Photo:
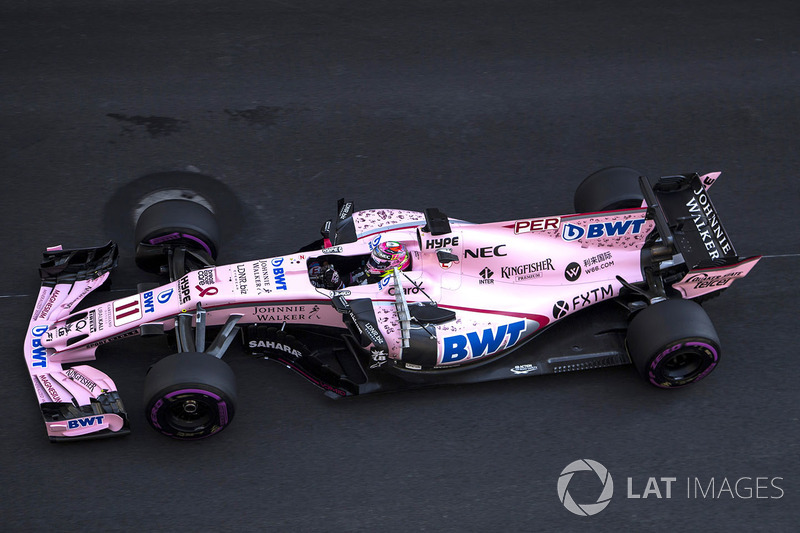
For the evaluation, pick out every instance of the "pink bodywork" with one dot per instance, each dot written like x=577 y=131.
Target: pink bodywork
x=512 y=279
x=704 y=281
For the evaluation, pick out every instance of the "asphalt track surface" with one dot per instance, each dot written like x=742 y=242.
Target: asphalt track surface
x=489 y=110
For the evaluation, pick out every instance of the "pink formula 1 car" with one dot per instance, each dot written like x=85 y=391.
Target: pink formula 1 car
x=617 y=283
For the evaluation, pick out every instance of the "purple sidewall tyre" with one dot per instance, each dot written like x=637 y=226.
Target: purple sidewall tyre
x=673 y=343
x=190 y=395
x=178 y=222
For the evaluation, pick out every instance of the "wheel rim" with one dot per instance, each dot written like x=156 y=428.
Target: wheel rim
x=683 y=363
x=190 y=413
x=682 y=366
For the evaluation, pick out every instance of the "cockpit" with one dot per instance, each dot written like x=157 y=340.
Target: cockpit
x=334 y=272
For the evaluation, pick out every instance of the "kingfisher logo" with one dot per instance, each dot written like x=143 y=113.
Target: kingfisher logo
x=85 y=422
x=585 y=509
x=280 y=275
x=617 y=228
x=38 y=352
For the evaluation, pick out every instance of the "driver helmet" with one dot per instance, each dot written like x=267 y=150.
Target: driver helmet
x=387 y=256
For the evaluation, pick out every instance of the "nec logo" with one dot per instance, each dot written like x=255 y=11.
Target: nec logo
x=572 y=232
x=85 y=422
x=487 y=251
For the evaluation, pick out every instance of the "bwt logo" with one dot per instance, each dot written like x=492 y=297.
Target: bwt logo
x=474 y=344
x=164 y=296
x=147 y=298
x=38 y=352
x=571 y=232
x=279 y=273
x=85 y=422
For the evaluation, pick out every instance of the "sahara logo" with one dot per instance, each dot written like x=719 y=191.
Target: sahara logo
x=585 y=509
x=618 y=228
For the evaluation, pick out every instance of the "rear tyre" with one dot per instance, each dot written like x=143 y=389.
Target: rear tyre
x=180 y=222
x=673 y=343
x=609 y=189
x=190 y=395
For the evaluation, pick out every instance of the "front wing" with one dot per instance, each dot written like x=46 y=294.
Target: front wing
x=78 y=402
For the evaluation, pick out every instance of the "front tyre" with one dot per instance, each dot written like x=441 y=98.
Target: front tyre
x=174 y=222
x=190 y=395
x=673 y=343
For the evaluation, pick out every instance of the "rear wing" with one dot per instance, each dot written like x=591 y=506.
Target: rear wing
x=690 y=228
